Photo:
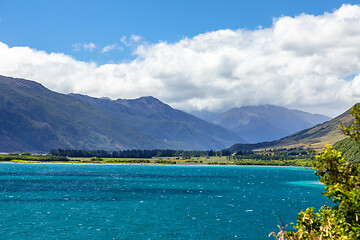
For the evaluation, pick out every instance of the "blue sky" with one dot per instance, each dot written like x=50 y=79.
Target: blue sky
x=193 y=55
x=57 y=26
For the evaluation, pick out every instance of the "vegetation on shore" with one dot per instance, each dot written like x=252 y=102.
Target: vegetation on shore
x=279 y=157
x=27 y=157
x=342 y=180
x=216 y=160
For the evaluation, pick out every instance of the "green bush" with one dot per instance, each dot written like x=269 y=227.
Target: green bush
x=342 y=182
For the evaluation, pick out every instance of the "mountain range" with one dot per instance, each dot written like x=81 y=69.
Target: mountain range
x=264 y=122
x=36 y=119
x=178 y=129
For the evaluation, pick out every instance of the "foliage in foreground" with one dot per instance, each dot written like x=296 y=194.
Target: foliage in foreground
x=342 y=182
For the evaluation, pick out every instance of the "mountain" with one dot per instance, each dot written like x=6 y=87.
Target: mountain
x=35 y=119
x=315 y=137
x=205 y=115
x=178 y=129
x=267 y=122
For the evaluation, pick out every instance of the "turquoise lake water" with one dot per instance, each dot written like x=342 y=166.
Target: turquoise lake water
x=77 y=201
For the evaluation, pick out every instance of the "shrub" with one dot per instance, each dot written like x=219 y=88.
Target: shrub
x=342 y=182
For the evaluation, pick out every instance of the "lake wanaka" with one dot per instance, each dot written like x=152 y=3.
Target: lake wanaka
x=80 y=201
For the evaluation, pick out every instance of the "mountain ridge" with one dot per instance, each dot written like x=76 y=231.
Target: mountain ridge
x=164 y=122
x=267 y=122
x=34 y=118
x=315 y=137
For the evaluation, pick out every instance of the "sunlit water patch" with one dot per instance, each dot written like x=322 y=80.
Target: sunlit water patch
x=58 y=201
x=308 y=183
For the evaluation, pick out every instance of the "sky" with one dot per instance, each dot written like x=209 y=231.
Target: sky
x=193 y=55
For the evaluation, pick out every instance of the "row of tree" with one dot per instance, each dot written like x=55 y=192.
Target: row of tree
x=28 y=157
x=137 y=153
x=276 y=154
x=270 y=154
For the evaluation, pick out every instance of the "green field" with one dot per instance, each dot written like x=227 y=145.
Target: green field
x=203 y=160
x=157 y=160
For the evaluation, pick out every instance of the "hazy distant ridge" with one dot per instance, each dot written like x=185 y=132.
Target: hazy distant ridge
x=264 y=122
x=315 y=137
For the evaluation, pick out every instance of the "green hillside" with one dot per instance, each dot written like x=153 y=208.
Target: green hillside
x=315 y=137
x=349 y=148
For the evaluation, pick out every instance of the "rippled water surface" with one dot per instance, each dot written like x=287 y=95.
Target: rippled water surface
x=74 y=201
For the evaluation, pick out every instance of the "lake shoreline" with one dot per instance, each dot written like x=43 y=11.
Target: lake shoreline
x=151 y=164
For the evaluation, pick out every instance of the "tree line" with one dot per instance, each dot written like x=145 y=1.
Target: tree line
x=269 y=154
x=135 y=153
x=29 y=157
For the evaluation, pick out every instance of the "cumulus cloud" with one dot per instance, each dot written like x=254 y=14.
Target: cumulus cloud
x=301 y=62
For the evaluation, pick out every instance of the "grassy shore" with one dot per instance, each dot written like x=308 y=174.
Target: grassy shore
x=215 y=160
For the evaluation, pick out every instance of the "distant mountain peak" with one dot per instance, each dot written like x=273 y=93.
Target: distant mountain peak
x=106 y=98
x=267 y=122
x=315 y=137
x=21 y=83
x=149 y=100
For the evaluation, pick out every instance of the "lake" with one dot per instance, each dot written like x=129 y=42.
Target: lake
x=79 y=201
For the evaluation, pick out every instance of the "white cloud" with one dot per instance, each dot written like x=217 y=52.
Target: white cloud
x=89 y=46
x=76 y=47
x=109 y=48
x=123 y=40
x=301 y=62
x=134 y=40
x=86 y=46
